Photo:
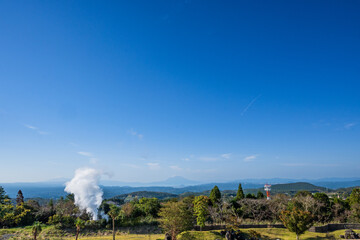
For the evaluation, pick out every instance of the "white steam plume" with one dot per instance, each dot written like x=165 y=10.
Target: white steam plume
x=86 y=190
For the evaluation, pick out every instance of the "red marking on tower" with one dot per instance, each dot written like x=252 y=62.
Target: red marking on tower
x=267 y=189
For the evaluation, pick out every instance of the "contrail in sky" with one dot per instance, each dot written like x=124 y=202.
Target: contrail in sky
x=249 y=105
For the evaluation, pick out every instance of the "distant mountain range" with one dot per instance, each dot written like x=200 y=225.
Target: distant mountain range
x=176 y=181
x=178 y=185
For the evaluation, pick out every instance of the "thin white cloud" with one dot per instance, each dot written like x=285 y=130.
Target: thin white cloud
x=36 y=129
x=175 y=167
x=226 y=155
x=92 y=159
x=153 y=166
x=249 y=105
x=190 y=157
x=250 y=158
x=215 y=158
x=30 y=127
x=350 y=125
x=136 y=134
x=86 y=154
x=132 y=132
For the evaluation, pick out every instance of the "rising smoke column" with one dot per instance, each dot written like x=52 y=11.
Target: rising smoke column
x=86 y=190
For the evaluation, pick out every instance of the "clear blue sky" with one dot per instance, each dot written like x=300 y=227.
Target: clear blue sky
x=208 y=90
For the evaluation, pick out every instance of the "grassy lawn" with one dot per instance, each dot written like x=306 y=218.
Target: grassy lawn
x=125 y=237
x=266 y=233
x=50 y=233
x=118 y=237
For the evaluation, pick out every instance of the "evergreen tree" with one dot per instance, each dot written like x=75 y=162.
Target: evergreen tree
x=19 y=198
x=355 y=196
x=215 y=195
x=201 y=210
x=240 y=193
x=3 y=196
x=51 y=207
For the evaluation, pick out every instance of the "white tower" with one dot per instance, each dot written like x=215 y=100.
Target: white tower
x=267 y=189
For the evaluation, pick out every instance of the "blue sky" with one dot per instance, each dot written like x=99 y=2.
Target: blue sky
x=208 y=90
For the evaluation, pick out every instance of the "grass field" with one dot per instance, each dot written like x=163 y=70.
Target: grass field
x=118 y=237
x=127 y=237
x=266 y=233
x=50 y=233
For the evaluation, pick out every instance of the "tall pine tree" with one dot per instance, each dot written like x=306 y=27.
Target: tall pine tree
x=215 y=195
x=3 y=195
x=240 y=193
x=19 y=198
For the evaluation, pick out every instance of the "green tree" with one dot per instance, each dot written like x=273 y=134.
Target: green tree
x=19 y=198
x=23 y=215
x=297 y=221
x=66 y=207
x=3 y=196
x=323 y=211
x=7 y=214
x=201 y=204
x=36 y=229
x=104 y=207
x=51 y=206
x=322 y=197
x=354 y=201
x=240 y=193
x=79 y=223
x=260 y=195
x=250 y=196
x=11 y=216
x=305 y=201
x=338 y=209
x=303 y=193
x=354 y=215
x=176 y=217
x=354 y=196
x=215 y=195
x=115 y=213
x=149 y=206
